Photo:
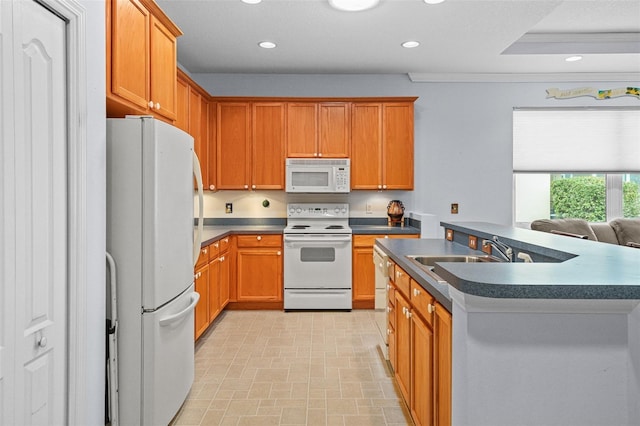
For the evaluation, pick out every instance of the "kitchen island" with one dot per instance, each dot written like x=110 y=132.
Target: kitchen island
x=554 y=342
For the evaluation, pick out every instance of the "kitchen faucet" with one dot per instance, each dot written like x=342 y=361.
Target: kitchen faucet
x=502 y=248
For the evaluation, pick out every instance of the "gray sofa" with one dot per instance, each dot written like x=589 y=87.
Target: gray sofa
x=624 y=232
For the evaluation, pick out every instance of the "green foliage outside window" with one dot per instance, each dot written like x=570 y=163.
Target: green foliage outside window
x=585 y=197
x=631 y=197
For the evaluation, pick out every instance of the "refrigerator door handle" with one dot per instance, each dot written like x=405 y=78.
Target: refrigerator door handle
x=166 y=321
x=197 y=172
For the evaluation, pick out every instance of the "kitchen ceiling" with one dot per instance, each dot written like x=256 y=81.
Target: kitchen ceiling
x=460 y=40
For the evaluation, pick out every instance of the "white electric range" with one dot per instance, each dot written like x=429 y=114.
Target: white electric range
x=317 y=257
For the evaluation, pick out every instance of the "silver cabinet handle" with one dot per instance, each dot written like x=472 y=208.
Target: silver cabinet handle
x=151 y=104
x=42 y=342
x=258 y=238
x=157 y=105
x=430 y=308
x=279 y=252
x=221 y=258
x=212 y=187
x=416 y=292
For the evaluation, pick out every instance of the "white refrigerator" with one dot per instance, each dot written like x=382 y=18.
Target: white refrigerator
x=150 y=237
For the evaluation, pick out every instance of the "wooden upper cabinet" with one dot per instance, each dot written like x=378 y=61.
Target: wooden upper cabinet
x=366 y=146
x=335 y=132
x=382 y=145
x=182 y=104
x=164 y=53
x=141 y=60
x=268 y=140
x=129 y=56
x=233 y=136
x=397 y=145
x=318 y=129
x=302 y=129
x=212 y=153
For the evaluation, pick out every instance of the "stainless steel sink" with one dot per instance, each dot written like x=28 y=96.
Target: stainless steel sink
x=426 y=263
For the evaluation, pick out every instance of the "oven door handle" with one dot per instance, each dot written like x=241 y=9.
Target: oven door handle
x=317 y=239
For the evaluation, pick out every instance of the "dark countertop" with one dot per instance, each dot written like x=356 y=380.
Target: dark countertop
x=580 y=269
x=383 y=229
x=212 y=233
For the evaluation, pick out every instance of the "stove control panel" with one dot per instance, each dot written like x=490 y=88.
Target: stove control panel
x=307 y=210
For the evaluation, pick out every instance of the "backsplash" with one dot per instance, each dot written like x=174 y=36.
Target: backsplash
x=251 y=204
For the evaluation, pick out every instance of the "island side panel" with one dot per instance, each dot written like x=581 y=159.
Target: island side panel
x=549 y=368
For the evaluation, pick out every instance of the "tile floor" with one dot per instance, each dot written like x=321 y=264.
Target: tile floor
x=292 y=368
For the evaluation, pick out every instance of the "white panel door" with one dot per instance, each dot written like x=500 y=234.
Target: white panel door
x=35 y=209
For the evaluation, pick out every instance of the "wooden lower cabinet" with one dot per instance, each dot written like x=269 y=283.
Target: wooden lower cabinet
x=403 y=346
x=443 y=367
x=363 y=269
x=420 y=350
x=422 y=354
x=212 y=283
x=259 y=268
x=201 y=320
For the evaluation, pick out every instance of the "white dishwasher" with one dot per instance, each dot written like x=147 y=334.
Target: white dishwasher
x=381 y=262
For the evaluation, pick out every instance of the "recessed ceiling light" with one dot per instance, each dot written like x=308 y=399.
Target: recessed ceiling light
x=267 y=44
x=353 y=5
x=573 y=58
x=251 y=1
x=410 y=44
x=433 y=1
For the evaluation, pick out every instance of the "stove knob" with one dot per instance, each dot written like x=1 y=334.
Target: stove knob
x=298 y=210
x=292 y=210
x=344 y=210
x=337 y=210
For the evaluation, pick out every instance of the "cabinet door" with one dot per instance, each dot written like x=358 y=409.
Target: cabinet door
x=233 y=133
x=163 y=70
x=366 y=146
x=422 y=389
x=334 y=130
x=182 y=105
x=224 y=280
x=363 y=279
x=259 y=275
x=442 y=368
x=397 y=136
x=212 y=154
x=268 y=123
x=403 y=345
x=214 y=289
x=130 y=22
x=201 y=321
x=203 y=144
x=302 y=130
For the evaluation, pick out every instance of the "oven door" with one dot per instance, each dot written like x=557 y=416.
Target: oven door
x=315 y=261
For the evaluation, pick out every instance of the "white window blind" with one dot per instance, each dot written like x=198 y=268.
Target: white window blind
x=576 y=140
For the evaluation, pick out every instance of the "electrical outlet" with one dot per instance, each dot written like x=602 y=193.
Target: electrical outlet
x=473 y=242
x=454 y=208
x=369 y=208
x=228 y=208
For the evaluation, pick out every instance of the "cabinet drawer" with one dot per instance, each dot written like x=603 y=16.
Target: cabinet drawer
x=224 y=244
x=369 y=240
x=401 y=280
x=214 y=249
x=203 y=259
x=422 y=301
x=259 y=240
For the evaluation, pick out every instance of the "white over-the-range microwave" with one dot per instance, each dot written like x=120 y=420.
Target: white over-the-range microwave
x=318 y=175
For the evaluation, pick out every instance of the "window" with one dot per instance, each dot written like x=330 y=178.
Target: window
x=580 y=163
